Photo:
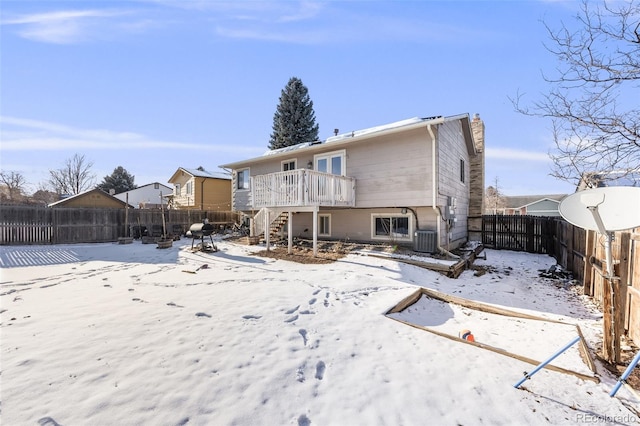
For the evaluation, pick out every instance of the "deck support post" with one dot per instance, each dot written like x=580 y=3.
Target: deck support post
x=315 y=231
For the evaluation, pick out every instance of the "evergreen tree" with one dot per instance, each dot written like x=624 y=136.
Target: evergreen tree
x=120 y=181
x=294 y=121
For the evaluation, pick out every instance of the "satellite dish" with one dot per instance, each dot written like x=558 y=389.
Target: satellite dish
x=605 y=210
x=617 y=206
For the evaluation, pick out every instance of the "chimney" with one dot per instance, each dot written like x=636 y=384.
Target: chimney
x=476 y=181
x=335 y=132
x=477 y=128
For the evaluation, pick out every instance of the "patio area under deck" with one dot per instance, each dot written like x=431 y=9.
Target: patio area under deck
x=312 y=209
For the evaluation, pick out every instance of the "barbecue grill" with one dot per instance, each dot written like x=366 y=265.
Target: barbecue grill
x=199 y=231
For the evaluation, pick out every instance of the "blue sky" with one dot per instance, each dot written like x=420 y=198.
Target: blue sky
x=155 y=85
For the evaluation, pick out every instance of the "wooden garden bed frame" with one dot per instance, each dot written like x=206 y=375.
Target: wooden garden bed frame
x=414 y=297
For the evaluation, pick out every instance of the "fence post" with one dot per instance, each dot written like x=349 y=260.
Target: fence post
x=620 y=290
x=54 y=226
x=610 y=308
x=495 y=231
x=588 y=267
x=608 y=338
x=569 y=236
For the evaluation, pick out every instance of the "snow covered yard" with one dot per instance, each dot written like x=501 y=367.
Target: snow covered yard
x=111 y=334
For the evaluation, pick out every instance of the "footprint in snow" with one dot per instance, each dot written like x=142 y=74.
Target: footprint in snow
x=300 y=374
x=252 y=316
x=320 y=369
x=304 y=420
x=290 y=311
x=292 y=319
x=48 y=421
x=202 y=314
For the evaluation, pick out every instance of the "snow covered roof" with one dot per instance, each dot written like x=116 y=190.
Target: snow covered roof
x=66 y=200
x=612 y=178
x=377 y=129
x=520 y=201
x=347 y=137
x=353 y=134
x=141 y=187
x=207 y=174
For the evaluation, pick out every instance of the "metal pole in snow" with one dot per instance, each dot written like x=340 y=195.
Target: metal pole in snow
x=542 y=364
x=626 y=374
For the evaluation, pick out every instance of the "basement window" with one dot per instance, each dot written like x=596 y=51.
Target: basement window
x=390 y=227
x=324 y=225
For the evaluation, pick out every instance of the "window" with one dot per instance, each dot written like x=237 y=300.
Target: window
x=177 y=188
x=243 y=179
x=392 y=226
x=324 y=225
x=189 y=188
x=288 y=165
x=332 y=162
x=462 y=171
x=156 y=186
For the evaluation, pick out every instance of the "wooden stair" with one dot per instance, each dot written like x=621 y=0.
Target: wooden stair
x=278 y=224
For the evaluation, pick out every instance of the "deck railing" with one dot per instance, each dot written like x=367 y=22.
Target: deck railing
x=302 y=188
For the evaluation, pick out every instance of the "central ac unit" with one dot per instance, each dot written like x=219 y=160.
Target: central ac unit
x=425 y=241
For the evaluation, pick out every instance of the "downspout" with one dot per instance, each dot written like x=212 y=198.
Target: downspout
x=202 y=194
x=434 y=193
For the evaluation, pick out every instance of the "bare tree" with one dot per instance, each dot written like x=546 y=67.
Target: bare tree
x=594 y=91
x=75 y=177
x=44 y=196
x=494 y=199
x=14 y=183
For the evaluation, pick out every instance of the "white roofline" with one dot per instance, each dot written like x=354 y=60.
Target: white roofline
x=349 y=137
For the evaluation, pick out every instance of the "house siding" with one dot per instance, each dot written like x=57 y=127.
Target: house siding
x=451 y=190
x=216 y=193
x=93 y=199
x=182 y=199
x=355 y=224
x=543 y=208
x=391 y=171
x=206 y=193
x=147 y=196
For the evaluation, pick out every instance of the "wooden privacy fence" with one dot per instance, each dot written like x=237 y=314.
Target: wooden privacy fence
x=532 y=234
x=582 y=253
x=23 y=225
x=619 y=297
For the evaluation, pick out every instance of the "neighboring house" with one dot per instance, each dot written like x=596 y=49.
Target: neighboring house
x=147 y=196
x=93 y=198
x=201 y=190
x=532 y=205
x=404 y=183
x=615 y=178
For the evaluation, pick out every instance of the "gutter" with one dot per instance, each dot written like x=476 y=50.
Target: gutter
x=434 y=188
